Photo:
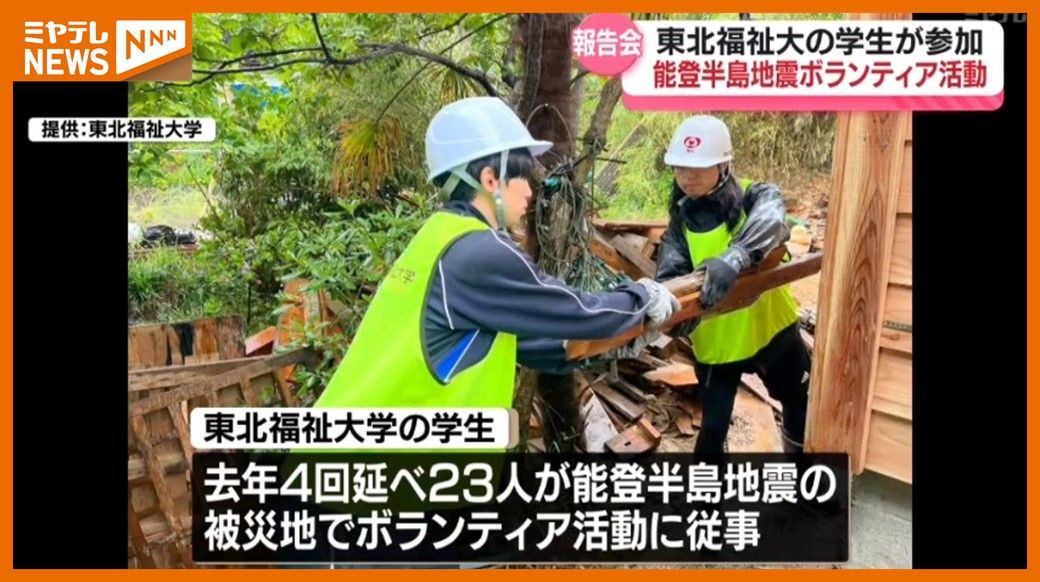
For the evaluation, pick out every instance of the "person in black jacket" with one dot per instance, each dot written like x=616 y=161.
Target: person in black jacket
x=723 y=225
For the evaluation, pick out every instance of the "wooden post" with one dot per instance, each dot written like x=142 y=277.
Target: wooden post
x=867 y=169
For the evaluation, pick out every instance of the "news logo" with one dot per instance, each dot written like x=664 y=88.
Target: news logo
x=98 y=50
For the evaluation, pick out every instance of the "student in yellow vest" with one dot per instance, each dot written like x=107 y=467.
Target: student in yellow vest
x=463 y=304
x=723 y=225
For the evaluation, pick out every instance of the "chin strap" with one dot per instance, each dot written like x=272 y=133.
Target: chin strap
x=459 y=173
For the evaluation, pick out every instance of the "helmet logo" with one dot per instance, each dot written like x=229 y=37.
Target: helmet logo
x=691 y=143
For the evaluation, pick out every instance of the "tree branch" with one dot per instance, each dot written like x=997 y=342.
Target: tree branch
x=596 y=136
x=446 y=28
x=378 y=51
x=474 y=74
x=578 y=76
x=321 y=39
x=427 y=64
x=263 y=55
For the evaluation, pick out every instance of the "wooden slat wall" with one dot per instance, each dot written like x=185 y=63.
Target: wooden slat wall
x=853 y=282
x=890 y=427
x=861 y=401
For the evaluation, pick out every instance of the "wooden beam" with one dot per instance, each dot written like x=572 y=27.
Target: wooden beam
x=638 y=226
x=262 y=342
x=641 y=437
x=230 y=378
x=673 y=375
x=633 y=251
x=628 y=409
x=868 y=158
x=168 y=376
x=633 y=392
x=603 y=249
x=687 y=288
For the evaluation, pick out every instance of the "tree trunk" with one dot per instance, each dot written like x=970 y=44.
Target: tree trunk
x=550 y=105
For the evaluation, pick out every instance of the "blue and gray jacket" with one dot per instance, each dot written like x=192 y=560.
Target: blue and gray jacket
x=485 y=283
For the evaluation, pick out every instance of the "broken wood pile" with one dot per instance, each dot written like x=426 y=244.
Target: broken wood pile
x=650 y=402
x=161 y=397
x=301 y=307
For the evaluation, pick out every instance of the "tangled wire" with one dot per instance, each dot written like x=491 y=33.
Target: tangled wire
x=562 y=226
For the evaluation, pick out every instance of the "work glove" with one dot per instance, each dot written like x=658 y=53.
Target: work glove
x=720 y=274
x=661 y=304
x=630 y=350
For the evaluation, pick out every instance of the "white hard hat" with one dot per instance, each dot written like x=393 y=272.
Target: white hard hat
x=701 y=141
x=473 y=128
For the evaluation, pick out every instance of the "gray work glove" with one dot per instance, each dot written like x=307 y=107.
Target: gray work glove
x=632 y=349
x=661 y=305
x=720 y=274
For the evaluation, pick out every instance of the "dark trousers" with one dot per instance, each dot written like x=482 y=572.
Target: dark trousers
x=783 y=365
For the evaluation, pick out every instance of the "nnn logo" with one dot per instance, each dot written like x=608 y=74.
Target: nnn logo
x=139 y=42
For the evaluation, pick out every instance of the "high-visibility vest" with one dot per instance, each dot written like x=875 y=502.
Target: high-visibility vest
x=386 y=364
x=739 y=334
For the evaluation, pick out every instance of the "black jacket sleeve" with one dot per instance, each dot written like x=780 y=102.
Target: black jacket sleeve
x=766 y=225
x=673 y=256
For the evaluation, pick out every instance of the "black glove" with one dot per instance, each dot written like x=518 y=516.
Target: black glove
x=718 y=280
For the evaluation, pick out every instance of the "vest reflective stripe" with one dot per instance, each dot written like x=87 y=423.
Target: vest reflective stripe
x=386 y=364
x=739 y=334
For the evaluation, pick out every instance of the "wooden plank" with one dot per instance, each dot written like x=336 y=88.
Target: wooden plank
x=625 y=225
x=674 y=375
x=631 y=391
x=162 y=345
x=755 y=385
x=147 y=346
x=135 y=470
x=894 y=383
x=902 y=263
x=633 y=239
x=231 y=337
x=168 y=376
x=262 y=342
x=753 y=427
x=137 y=538
x=663 y=347
x=906 y=182
x=230 y=378
x=252 y=397
x=602 y=249
x=891 y=408
x=896 y=340
x=899 y=305
x=288 y=397
x=745 y=290
x=598 y=428
x=641 y=437
x=890 y=447
x=633 y=251
x=861 y=217
x=205 y=340
x=654 y=235
x=180 y=423
x=155 y=473
x=648 y=249
x=628 y=409
x=691 y=407
x=174 y=346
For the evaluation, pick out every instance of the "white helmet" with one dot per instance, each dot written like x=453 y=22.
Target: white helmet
x=701 y=141
x=473 y=128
